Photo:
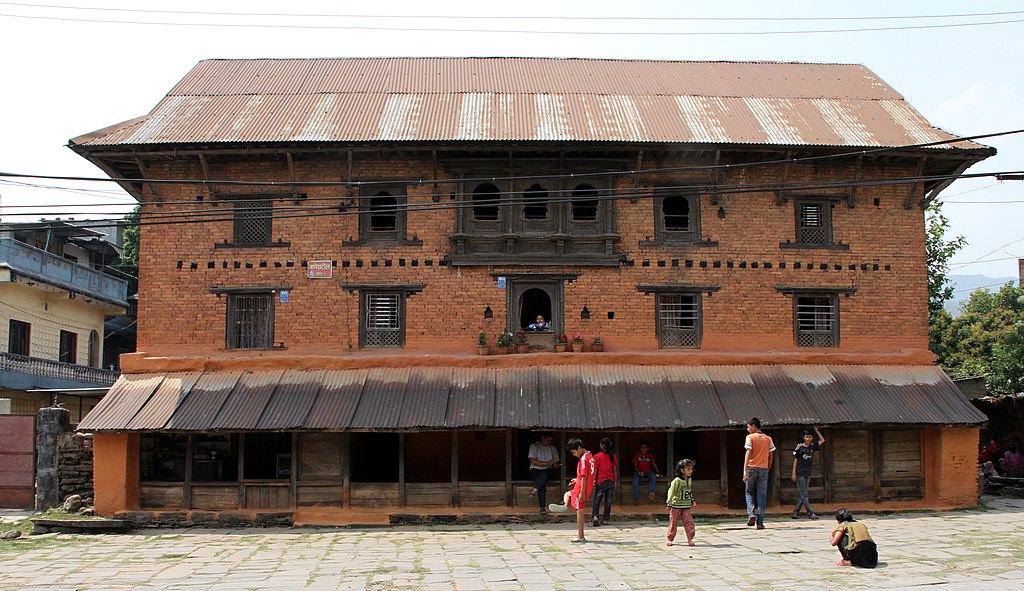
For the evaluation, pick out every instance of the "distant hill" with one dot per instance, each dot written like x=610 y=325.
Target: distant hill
x=963 y=285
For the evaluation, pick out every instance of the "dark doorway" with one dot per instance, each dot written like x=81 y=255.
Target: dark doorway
x=374 y=457
x=733 y=464
x=535 y=302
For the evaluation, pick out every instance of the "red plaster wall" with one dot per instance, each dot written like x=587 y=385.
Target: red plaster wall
x=951 y=467
x=115 y=472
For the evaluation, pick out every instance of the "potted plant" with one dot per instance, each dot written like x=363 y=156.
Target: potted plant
x=504 y=341
x=481 y=343
x=577 y=342
x=597 y=344
x=522 y=344
x=561 y=341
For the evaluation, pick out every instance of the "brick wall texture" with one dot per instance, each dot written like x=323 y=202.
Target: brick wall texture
x=885 y=262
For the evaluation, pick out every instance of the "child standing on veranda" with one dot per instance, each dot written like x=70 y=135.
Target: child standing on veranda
x=680 y=502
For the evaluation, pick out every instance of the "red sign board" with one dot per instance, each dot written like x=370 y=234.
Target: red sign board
x=320 y=269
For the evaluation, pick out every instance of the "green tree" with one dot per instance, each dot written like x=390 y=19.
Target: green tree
x=986 y=339
x=129 y=265
x=938 y=252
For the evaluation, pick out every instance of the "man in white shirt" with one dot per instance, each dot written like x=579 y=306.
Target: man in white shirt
x=543 y=462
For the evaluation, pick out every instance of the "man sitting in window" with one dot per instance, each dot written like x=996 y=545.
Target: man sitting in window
x=540 y=324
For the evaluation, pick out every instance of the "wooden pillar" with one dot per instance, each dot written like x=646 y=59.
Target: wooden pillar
x=240 y=459
x=876 y=463
x=401 y=469
x=187 y=493
x=723 y=470
x=455 y=469
x=293 y=473
x=346 y=469
x=826 y=471
x=775 y=496
x=509 y=501
x=562 y=454
x=670 y=456
x=619 y=498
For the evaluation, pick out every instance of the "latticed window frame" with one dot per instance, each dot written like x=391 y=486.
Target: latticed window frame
x=367 y=211
x=253 y=221
x=374 y=334
x=809 y=234
x=816 y=329
x=250 y=327
x=674 y=338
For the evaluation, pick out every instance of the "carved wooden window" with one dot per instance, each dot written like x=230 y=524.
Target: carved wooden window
x=250 y=321
x=679 y=320
x=253 y=221
x=68 y=352
x=18 y=337
x=383 y=325
x=535 y=203
x=677 y=217
x=817 y=320
x=486 y=203
x=584 y=203
x=813 y=222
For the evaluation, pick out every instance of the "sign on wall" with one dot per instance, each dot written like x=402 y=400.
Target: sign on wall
x=320 y=269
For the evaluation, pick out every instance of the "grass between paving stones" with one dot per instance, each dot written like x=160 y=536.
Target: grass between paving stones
x=26 y=542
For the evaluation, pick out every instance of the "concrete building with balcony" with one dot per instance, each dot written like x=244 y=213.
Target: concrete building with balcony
x=327 y=239
x=56 y=294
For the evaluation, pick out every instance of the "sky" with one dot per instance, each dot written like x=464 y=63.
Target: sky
x=73 y=68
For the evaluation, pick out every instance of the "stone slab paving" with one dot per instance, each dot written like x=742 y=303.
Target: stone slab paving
x=979 y=549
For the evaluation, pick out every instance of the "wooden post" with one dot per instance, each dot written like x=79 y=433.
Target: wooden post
x=876 y=463
x=455 y=469
x=618 y=472
x=187 y=492
x=240 y=468
x=509 y=501
x=293 y=474
x=346 y=469
x=774 y=499
x=670 y=456
x=562 y=454
x=401 y=469
x=826 y=470
x=723 y=470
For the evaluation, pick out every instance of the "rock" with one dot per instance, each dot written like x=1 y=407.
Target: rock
x=11 y=535
x=72 y=504
x=90 y=510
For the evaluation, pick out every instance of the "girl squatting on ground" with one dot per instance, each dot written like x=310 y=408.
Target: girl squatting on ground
x=680 y=501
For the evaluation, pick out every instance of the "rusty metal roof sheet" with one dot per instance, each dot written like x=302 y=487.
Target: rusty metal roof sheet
x=528 y=99
x=556 y=397
x=132 y=393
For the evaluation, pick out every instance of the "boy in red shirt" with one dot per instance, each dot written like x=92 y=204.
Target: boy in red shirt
x=582 y=486
x=644 y=466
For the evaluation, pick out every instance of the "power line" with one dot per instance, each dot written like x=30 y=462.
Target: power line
x=512 y=17
x=512 y=31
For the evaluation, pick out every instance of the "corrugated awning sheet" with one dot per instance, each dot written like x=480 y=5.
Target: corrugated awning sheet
x=558 y=397
x=528 y=99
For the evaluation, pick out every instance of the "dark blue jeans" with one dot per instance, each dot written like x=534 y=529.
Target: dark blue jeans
x=540 y=480
x=757 y=484
x=603 y=490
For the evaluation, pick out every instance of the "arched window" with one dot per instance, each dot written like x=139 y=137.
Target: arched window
x=584 y=203
x=535 y=203
x=94 y=349
x=675 y=211
x=486 y=199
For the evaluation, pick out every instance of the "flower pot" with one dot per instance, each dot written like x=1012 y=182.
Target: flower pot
x=597 y=347
x=523 y=348
x=503 y=350
x=577 y=347
x=482 y=349
x=560 y=347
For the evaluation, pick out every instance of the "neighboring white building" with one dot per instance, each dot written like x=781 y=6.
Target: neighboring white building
x=55 y=295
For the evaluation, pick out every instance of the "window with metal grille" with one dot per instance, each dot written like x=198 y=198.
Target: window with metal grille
x=383 y=325
x=584 y=203
x=486 y=200
x=250 y=321
x=18 y=337
x=68 y=347
x=817 y=320
x=679 y=320
x=535 y=203
x=813 y=222
x=253 y=221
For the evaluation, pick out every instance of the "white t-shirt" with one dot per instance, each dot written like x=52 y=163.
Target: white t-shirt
x=542 y=453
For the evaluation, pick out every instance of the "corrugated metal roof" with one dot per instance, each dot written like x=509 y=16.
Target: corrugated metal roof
x=133 y=392
x=528 y=99
x=557 y=397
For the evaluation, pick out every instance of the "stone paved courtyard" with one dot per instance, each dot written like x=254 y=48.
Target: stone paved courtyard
x=961 y=550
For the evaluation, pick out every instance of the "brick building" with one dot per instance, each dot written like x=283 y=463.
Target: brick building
x=329 y=237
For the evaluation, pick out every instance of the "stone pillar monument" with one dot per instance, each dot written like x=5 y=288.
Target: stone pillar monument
x=53 y=422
